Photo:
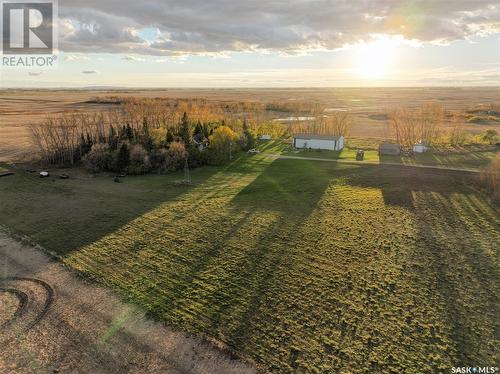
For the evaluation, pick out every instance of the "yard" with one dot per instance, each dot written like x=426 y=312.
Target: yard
x=300 y=265
x=472 y=157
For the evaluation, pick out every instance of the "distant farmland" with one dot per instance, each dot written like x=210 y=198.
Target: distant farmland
x=368 y=106
x=301 y=265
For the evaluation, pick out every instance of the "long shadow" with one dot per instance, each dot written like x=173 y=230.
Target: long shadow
x=248 y=277
x=65 y=215
x=450 y=253
x=267 y=262
x=287 y=190
x=165 y=307
x=390 y=158
x=450 y=257
x=274 y=190
x=398 y=184
x=287 y=186
x=252 y=276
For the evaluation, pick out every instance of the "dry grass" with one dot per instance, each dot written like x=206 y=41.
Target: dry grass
x=369 y=107
x=490 y=179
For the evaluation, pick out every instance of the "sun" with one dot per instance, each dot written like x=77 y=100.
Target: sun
x=375 y=59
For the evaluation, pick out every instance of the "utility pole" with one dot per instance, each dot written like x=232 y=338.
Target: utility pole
x=187 y=173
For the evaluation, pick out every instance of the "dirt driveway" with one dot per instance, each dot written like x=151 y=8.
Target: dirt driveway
x=53 y=322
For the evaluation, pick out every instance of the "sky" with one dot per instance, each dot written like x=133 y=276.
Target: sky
x=272 y=43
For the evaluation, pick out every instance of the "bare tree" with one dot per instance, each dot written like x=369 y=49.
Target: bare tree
x=456 y=134
x=422 y=124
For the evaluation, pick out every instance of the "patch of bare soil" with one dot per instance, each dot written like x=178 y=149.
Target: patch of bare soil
x=52 y=321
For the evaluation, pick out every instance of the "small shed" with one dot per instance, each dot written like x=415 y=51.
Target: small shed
x=420 y=147
x=326 y=142
x=389 y=149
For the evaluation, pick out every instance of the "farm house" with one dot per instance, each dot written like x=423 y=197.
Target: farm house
x=326 y=142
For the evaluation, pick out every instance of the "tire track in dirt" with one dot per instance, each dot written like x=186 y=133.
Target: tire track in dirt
x=35 y=298
x=52 y=320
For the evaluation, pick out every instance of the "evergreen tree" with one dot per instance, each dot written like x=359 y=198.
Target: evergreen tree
x=129 y=133
x=198 y=129
x=84 y=145
x=169 y=137
x=123 y=132
x=147 y=140
x=249 y=138
x=89 y=142
x=206 y=130
x=185 y=130
x=112 y=138
x=123 y=158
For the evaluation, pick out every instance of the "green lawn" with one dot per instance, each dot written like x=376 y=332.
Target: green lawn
x=475 y=158
x=301 y=265
x=348 y=154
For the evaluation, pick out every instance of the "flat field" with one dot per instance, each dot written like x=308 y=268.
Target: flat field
x=300 y=265
x=473 y=157
x=368 y=106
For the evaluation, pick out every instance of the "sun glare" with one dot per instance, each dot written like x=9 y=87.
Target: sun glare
x=375 y=59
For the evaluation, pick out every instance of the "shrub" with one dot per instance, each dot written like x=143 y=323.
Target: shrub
x=139 y=160
x=99 y=158
x=247 y=141
x=223 y=143
x=490 y=136
x=122 y=160
x=196 y=157
x=490 y=179
x=171 y=159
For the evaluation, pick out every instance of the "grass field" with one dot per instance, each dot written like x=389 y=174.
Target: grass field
x=473 y=157
x=300 y=265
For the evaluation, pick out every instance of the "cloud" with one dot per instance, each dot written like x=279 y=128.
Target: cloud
x=198 y=27
x=134 y=58
x=75 y=57
x=89 y=72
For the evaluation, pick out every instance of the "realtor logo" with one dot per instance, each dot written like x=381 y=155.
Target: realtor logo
x=28 y=28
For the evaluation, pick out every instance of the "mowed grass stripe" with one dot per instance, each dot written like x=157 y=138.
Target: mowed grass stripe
x=304 y=266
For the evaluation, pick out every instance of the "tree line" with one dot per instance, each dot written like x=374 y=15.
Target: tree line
x=119 y=141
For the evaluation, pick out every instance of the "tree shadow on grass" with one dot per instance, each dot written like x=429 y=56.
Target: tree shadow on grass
x=397 y=184
x=390 y=159
x=450 y=256
x=65 y=215
x=292 y=186
x=276 y=192
x=451 y=260
x=195 y=269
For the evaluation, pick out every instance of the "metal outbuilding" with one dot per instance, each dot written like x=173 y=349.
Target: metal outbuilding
x=389 y=149
x=326 y=142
